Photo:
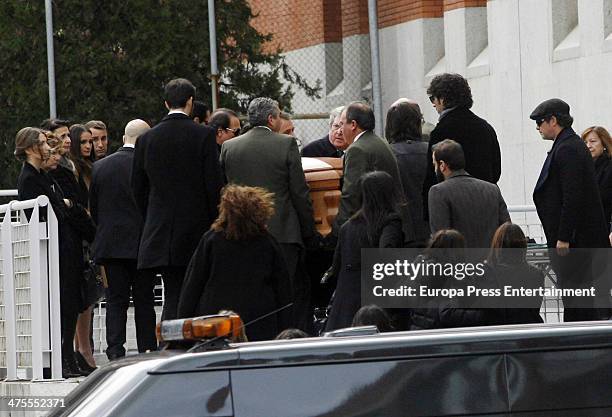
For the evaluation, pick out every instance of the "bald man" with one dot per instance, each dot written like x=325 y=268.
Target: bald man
x=119 y=226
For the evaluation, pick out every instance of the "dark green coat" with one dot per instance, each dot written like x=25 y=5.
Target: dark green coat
x=369 y=153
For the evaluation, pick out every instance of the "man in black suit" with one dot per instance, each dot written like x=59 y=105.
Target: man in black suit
x=331 y=145
x=176 y=181
x=119 y=225
x=451 y=96
x=567 y=200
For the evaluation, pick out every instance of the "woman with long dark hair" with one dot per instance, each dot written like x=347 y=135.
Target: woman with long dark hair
x=403 y=132
x=239 y=266
x=32 y=149
x=438 y=312
x=375 y=225
x=82 y=155
x=508 y=265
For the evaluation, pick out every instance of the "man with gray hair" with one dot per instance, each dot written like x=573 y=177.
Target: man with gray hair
x=263 y=158
x=332 y=145
x=119 y=225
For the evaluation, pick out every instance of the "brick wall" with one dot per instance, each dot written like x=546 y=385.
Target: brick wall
x=457 y=4
x=298 y=23
x=301 y=23
x=393 y=12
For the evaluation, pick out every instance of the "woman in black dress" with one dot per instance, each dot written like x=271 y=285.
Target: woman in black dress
x=239 y=266
x=82 y=155
x=375 y=225
x=32 y=149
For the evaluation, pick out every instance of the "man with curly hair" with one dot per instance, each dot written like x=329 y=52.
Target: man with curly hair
x=451 y=96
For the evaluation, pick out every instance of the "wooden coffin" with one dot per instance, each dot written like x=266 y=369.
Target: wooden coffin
x=323 y=176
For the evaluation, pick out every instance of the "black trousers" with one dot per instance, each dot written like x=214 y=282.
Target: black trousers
x=300 y=286
x=125 y=280
x=574 y=270
x=172 y=277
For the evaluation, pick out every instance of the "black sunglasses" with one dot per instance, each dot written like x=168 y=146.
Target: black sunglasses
x=542 y=120
x=432 y=98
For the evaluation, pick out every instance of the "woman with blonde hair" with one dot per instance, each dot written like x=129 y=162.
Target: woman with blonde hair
x=599 y=142
x=239 y=266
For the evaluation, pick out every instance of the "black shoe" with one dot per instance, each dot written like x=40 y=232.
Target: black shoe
x=112 y=356
x=84 y=367
x=70 y=369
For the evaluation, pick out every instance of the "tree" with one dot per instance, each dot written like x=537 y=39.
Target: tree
x=112 y=59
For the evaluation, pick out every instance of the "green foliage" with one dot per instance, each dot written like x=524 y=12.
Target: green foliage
x=113 y=57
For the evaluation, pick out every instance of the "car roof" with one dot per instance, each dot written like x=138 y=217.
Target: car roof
x=405 y=345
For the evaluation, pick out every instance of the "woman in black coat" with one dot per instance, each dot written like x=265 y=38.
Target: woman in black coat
x=403 y=132
x=507 y=265
x=239 y=266
x=446 y=247
x=32 y=149
x=598 y=141
x=375 y=225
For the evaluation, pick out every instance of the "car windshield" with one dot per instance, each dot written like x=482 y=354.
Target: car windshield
x=95 y=394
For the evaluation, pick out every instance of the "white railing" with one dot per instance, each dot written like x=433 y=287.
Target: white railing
x=527 y=218
x=30 y=332
x=8 y=193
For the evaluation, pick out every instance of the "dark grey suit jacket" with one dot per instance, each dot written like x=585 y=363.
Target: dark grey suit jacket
x=474 y=207
x=262 y=158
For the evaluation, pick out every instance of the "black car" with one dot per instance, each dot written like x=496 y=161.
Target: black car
x=522 y=370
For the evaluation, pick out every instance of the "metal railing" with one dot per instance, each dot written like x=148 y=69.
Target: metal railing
x=30 y=332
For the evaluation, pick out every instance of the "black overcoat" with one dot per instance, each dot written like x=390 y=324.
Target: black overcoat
x=321 y=148
x=347 y=266
x=603 y=175
x=478 y=140
x=31 y=184
x=249 y=277
x=566 y=195
x=176 y=180
x=411 y=158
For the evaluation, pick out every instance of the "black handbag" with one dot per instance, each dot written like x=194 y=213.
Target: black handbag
x=92 y=286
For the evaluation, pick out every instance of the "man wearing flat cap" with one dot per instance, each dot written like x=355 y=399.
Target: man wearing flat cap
x=568 y=203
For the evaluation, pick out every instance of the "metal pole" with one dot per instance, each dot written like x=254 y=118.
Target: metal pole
x=50 y=59
x=375 y=62
x=214 y=70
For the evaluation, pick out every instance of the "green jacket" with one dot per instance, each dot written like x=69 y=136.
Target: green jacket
x=369 y=153
x=262 y=158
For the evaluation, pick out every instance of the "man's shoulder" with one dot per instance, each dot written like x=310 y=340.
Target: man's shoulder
x=318 y=142
x=570 y=147
x=119 y=156
x=459 y=119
